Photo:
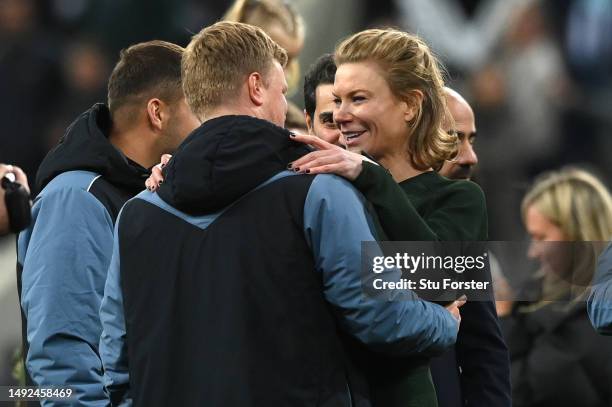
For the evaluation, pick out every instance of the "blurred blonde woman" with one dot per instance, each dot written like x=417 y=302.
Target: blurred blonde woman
x=567 y=205
x=576 y=201
x=281 y=22
x=557 y=357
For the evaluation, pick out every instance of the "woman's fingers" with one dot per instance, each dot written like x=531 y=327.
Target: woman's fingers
x=156 y=178
x=321 y=159
x=335 y=168
x=150 y=183
x=453 y=308
x=157 y=175
x=165 y=158
x=299 y=163
x=339 y=162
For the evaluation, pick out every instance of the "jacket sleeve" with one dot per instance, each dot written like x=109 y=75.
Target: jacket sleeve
x=599 y=304
x=483 y=356
x=336 y=222
x=113 y=345
x=64 y=269
x=565 y=363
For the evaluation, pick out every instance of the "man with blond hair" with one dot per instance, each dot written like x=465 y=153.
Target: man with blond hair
x=245 y=305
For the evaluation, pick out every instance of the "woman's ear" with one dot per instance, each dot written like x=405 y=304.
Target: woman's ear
x=414 y=102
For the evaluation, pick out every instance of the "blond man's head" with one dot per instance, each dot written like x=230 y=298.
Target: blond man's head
x=220 y=58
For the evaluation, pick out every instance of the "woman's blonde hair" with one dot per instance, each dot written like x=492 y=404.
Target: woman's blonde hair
x=580 y=205
x=265 y=13
x=408 y=65
x=574 y=200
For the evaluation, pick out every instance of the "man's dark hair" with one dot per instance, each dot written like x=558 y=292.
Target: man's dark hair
x=147 y=69
x=322 y=72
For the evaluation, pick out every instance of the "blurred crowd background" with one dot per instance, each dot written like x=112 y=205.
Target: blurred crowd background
x=537 y=73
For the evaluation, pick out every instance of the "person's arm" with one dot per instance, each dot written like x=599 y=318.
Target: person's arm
x=65 y=259
x=113 y=344
x=336 y=222
x=397 y=215
x=483 y=357
x=599 y=304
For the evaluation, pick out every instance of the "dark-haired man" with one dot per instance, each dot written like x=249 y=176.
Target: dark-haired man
x=63 y=257
x=319 y=99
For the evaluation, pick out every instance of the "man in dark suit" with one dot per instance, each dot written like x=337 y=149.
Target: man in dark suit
x=477 y=371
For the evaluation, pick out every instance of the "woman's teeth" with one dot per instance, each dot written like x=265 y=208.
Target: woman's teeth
x=352 y=135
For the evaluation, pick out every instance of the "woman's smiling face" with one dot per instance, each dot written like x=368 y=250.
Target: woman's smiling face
x=370 y=117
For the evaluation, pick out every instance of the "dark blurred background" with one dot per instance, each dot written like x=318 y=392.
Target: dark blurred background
x=538 y=74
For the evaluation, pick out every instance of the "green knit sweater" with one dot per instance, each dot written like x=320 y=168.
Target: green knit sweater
x=426 y=207
x=423 y=208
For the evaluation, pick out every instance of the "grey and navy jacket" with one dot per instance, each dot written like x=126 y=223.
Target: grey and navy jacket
x=599 y=304
x=233 y=284
x=63 y=257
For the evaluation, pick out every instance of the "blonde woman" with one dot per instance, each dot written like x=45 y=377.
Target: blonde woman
x=390 y=103
x=567 y=205
x=557 y=357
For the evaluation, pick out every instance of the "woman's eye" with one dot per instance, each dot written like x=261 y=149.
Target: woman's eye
x=358 y=98
x=337 y=102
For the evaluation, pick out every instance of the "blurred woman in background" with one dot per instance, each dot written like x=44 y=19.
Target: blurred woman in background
x=281 y=22
x=557 y=358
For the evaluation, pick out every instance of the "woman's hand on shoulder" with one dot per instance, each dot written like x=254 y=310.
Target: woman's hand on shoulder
x=327 y=159
x=157 y=177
